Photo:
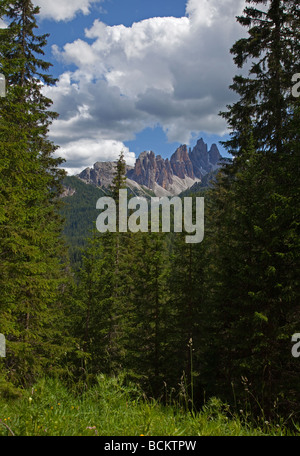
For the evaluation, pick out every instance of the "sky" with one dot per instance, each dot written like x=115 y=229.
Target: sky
x=136 y=75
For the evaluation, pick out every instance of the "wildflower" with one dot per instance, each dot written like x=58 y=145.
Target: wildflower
x=30 y=399
x=94 y=428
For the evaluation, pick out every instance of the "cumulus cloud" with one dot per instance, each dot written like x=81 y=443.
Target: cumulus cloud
x=170 y=71
x=209 y=12
x=85 y=152
x=63 y=10
x=90 y=116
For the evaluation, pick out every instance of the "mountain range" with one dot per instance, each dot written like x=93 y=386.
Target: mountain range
x=188 y=171
x=155 y=175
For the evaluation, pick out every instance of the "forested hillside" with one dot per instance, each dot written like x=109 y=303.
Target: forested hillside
x=79 y=213
x=193 y=322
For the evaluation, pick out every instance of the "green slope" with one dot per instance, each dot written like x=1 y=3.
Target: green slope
x=80 y=213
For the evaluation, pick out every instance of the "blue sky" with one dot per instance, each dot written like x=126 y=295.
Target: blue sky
x=137 y=75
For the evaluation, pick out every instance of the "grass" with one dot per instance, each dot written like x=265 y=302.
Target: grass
x=111 y=409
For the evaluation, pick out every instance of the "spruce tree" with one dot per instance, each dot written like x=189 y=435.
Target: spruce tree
x=94 y=324
x=119 y=180
x=32 y=267
x=102 y=290
x=255 y=284
x=149 y=350
x=186 y=283
x=265 y=95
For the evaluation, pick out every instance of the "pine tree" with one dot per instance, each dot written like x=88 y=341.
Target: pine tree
x=32 y=275
x=94 y=315
x=102 y=290
x=186 y=283
x=149 y=315
x=119 y=246
x=255 y=285
x=265 y=96
x=119 y=180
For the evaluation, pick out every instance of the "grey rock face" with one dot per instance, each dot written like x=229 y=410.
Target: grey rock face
x=101 y=174
x=181 y=163
x=163 y=176
x=214 y=155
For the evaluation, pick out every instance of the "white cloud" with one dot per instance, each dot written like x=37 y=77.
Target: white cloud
x=171 y=71
x=201 y=12
x=63 y=10
x=85 y=152
x=209 y=12
x=93 y=110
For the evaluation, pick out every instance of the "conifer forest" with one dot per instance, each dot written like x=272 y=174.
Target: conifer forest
x=188 y=325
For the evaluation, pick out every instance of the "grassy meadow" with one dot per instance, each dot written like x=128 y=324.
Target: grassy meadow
x=112 y=408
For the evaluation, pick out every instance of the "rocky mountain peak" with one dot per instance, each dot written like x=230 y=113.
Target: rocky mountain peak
x=162 y=176
x=101 y=175
x=214 y=155
x=181 y=163
x=150 y=169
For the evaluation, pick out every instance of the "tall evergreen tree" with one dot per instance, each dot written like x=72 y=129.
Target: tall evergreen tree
x=256 y=287
x=265 y=95
x=31 y=268
x=186 y=283
x=119 y=180
x=150 y=318
x=102 y=288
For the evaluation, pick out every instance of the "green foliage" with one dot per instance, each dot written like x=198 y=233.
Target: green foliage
x=114 y=407
x=79 y=212
x=255 y=299
x=265 y=98
x=119 y=180
x=150 y=321
x=32 y=270
x=204 y=328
